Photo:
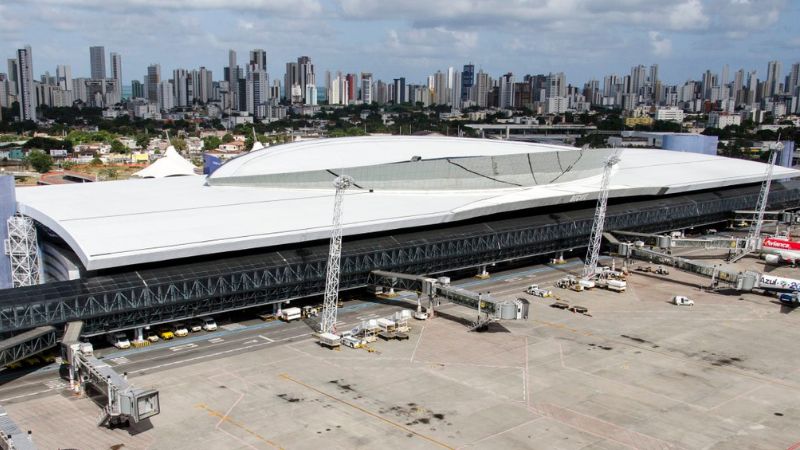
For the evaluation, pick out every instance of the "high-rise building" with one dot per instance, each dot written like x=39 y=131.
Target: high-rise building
x=306 y=74
x=180 y=88
x=26 y=95
x=772 y=84
x=137 y=89
x=638 y=79
x=205 y=85
x=13 y=72
x=116 y=67
x=290 y=78
x=794 y=79
x=64 y=77
x=97 y=62
x=400 y=95
x=441 y=95
x=351 y=87
x=367 y=96
x=506 y=99
x=483 y=83
x=467 y=80
x=257 y=92
x=153 y=82
x=556 y=85
x=258 y=58
x=165 y=99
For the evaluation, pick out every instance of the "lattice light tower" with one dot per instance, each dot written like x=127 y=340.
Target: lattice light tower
x=328 y=324
x=596 y=238
x=758 y=218
x=22 y=249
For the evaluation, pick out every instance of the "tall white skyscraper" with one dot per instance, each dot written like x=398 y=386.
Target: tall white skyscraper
x=367 y=96
x=166 y=100
x=13 y=72
x=97 y=62
x=506 y=99
x=64 y=77
x=179 y=86
x=26 y=89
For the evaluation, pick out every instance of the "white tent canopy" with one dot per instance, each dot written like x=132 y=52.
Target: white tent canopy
x=171 y=164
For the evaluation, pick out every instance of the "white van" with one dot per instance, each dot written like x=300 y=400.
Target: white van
x=119 y=340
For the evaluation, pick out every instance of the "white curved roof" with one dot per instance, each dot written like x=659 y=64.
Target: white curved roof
x=140 y=221
x=320 y=154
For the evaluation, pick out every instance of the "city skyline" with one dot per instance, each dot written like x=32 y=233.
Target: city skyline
x=684 y=38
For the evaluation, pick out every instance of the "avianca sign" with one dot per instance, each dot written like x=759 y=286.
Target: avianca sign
x=781 y=244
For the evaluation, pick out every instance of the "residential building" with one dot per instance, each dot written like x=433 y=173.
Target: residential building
x=721 y=120
x=367 y=96
x=670 y=113
x=26 y=95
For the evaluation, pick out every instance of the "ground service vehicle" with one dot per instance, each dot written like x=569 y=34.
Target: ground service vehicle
x=195 y=326
x=119 y=340
x=680 y=300
x=790 y=299
x=290 y=314
x=535 y=290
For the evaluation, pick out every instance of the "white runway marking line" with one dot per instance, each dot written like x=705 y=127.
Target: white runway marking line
x=251 y=341
x=120 y=360
x=216 y=340
x=232 y=326
x=266 y=338
x=183 y=347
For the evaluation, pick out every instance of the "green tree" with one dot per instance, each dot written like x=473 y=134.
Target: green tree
x=211 y=143
x=227 y=138
x=142 y=140
x=67 y=165
x=40 y=161
x=118 y=147
x=179 y=144
x=96 y=161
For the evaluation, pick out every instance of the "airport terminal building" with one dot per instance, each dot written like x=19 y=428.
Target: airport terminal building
x=124 y=254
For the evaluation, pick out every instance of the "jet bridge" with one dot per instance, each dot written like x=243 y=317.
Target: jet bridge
x=27 y=344
x=11 y=437
x=125 y=404
x=488 y=308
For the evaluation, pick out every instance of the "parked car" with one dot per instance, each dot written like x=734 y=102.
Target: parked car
x=152 y=336
x=680 y=300
x=195 y=326
x=166 y=333
x=209 y=324
x=180 y=330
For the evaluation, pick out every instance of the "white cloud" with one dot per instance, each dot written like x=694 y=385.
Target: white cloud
x=660 y=45
x=427 y=42
x=688 y=15
x=301 y=8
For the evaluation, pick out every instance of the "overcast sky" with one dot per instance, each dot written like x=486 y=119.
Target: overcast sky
x=411 y=38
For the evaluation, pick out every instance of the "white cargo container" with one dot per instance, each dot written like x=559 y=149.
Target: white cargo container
x=329 y=340
x=290 y=314
x=616 y=285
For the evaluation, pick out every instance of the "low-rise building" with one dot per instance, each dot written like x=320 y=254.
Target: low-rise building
x=670 y=113
x=721 y=120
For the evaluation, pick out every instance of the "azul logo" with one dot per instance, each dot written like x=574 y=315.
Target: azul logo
x=782 y=283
